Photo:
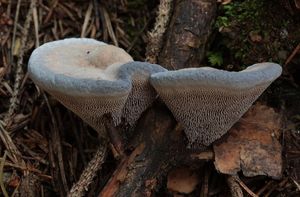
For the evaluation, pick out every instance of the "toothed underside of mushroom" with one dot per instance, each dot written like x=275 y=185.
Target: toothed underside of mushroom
x=207 y=114
x=208 y=101
x=139 y=99
x=142 y=93
x=92 y=109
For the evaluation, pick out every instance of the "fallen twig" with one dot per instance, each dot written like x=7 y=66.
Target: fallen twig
x=79 y=188
x=265 y=187
x=108 y=24
x=57 y=146
x=235 y=189
x=242 y=184
x=86 y=20
x=4 y=192
x=13 y=152
x=26 y=168
x=13 y=103
x=296 y=183
x=15 y=26
x=295 y=51
x=36 y=27
x=156 y=35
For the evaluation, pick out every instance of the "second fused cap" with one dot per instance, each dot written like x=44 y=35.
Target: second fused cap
x=208 y=101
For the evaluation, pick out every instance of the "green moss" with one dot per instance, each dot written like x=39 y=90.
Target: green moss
x=240 y=12
x=252 y=31
x=215 y=58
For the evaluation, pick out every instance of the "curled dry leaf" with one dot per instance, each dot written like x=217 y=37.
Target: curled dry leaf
x=182 y=180
x=252 y=145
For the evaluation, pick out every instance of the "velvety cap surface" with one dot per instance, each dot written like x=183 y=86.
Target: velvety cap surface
x=256 y=74
x=65 y=66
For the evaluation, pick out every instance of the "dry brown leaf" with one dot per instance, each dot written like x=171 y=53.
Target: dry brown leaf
x=14 y=181
x=252 y=145
x=182 y=180
x=265 y=116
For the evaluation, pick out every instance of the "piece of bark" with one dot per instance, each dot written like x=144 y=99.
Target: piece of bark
x=252 y=145
x=188 y=33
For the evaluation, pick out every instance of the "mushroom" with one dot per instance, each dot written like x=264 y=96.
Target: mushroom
x=207 y=101
x=92 y=78
x=142 y=93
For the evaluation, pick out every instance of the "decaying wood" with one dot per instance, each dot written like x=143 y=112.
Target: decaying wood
x=188 y=33
x=156 y=146
x=156 y=36
x=158 y=143
x=251 y=145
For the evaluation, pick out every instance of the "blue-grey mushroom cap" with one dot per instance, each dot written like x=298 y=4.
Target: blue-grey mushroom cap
x=69 y=70
x=92 y=78
x=42 y=59
x=255 y=75
x=208 y=101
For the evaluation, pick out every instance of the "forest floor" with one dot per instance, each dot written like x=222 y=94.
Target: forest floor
x=46 y=147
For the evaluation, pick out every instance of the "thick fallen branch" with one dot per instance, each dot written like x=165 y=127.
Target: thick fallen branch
x=158 y=144
x=188 y=34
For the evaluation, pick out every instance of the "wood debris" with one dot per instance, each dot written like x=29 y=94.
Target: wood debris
x=252 y=145
x=182 y=180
